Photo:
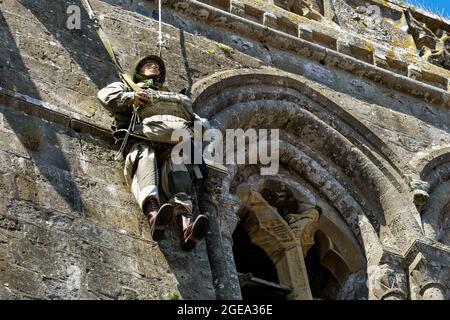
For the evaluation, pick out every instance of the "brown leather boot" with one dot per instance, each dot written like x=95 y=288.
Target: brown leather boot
x=158 y=218
x=193 y=233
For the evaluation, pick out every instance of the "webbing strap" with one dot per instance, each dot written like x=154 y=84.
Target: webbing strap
x=126 y=79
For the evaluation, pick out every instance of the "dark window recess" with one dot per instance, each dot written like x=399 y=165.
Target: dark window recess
x=322 y=283
x=257 y=274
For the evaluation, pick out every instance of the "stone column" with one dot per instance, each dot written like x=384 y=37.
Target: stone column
x=425 y=280
x=219 y=239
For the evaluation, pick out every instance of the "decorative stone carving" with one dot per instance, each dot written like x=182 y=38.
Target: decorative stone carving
x=306 y=8
x=434 y=46
x=370 y=14
x=426 y=280
x=420 y=192
x=269 y=231
x=203 y=14
x=373 y=22
x=304 y=226
x=388 y=281
x=237 y=7
x=266 y=228
x=181 y=6
x=281 y=197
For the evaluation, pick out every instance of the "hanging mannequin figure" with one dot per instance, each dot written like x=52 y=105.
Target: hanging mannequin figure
x=149 y=170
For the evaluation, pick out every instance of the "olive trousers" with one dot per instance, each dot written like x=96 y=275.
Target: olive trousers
x=141 y=174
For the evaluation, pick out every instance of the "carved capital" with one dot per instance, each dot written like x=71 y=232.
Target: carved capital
x=304 y=226
x=268 y=230
x=388 y=281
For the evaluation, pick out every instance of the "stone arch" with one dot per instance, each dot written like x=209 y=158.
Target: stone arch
x=218 y=91
x=434 y=173
x=231 y=99
x=433 y=159
x=325 y=145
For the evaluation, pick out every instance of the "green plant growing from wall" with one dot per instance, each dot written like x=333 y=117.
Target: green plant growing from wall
x=32 y=135
x=225 y=48
x=174 y=296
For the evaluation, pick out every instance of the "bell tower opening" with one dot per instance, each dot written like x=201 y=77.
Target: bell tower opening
x=323 y=284
x=257 y=273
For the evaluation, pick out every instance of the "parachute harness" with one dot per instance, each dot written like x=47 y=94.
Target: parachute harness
x=126 y=79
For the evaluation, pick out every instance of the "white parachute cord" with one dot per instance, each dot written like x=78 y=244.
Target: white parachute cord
x=125 y=140
x=89 y=10
x=160 y=37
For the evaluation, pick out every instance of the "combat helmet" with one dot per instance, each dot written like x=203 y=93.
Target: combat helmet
x=134 y=72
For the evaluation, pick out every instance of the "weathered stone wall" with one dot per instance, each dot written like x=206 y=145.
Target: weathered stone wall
x=364 y=117
x=69 y=228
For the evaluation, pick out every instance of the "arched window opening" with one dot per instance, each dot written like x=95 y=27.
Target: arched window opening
x=323 y=284
x=257 y=273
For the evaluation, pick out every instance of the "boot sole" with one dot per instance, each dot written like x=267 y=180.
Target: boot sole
x=199 y=231
x=163 y=218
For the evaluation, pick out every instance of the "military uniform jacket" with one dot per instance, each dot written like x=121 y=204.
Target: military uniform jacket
x=166 y=112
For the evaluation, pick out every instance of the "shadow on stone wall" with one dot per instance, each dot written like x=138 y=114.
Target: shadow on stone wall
x=186 y=64
x=89 y=55
x=19 y=81
x=191 y=269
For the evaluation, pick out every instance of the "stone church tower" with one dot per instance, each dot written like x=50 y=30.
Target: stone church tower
x=360 y=208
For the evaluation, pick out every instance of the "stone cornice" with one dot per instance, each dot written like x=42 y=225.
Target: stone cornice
x=33 y=107
x=432 y=87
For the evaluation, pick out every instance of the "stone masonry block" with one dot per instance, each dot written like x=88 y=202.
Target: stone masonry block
x=270 y=20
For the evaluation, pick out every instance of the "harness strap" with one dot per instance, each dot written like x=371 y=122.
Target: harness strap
x=126 y=79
